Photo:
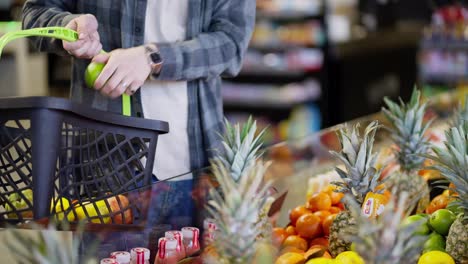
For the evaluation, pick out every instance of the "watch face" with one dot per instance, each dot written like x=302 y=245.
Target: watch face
x=156 y=58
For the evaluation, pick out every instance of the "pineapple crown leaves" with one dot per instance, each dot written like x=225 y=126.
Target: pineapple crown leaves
x=49 y=247
x=461 y=114
x=241 y=147
x=408 y=130
x=360 y=176
x=385 y=239
x=452 y=161
x=236 y=211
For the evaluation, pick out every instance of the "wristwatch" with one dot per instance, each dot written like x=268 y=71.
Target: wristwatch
x=154 y=59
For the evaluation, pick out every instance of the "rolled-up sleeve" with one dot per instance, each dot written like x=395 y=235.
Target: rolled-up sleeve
x=219 y=51
x=48 y=13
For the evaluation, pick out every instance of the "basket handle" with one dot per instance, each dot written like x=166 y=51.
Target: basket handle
x=58 y=33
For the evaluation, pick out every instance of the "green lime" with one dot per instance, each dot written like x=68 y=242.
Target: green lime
x=424 y=215
x=441 y=220
x=454 y=208
x=434 y=249
x=92 y=72
x=435 y=241
x=423 y=229
x=353 y=247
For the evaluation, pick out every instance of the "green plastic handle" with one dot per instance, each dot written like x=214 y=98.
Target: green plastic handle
x=58 y=33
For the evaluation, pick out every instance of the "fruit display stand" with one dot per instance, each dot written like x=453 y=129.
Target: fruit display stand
x=303 y=166
x=305 y=169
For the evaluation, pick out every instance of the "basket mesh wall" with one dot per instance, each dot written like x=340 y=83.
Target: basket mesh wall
x=15 y=170
x=102 y=172
x=95 y=166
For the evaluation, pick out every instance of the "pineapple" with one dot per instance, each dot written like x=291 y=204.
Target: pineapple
x=384 y=240
x=48 y=247
x=408 y=134
x=236 y=213
x=360 y=178
x=461 y=114
x=452 y=162
x=241 y=147
x=241 y=204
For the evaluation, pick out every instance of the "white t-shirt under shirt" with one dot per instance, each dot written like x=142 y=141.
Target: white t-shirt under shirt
x=166 y=22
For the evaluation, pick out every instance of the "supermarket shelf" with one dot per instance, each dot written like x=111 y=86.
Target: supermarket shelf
x=444 y=79
x=445 y=44
x=288 y=15
x=268 y=72
x=228 y=103
x=283 y=47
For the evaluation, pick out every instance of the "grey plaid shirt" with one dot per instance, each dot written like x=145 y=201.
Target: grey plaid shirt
x=218 y=32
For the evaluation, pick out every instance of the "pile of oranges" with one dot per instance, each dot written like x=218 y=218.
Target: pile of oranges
x=309 y=226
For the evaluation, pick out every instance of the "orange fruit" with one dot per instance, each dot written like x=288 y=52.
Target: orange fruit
x=319 y=241
x=327 y=255
x=296 y=213
x=290 y=230
x=315 y=250
x=451 y=192
x=329 y=188
x=319 y=201
x=322 y=214
x=335 y=195
x=309 y=226
x=295 y=241
x=327 y=223
x=278 y=236
x=439 y=202
x=291 y=249
x=291 y=258
x=341 y=206
x=317 y=246
x=334 y=210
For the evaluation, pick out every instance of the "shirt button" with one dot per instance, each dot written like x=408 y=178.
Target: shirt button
x=137 y=29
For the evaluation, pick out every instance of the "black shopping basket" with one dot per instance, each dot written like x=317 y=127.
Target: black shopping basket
x=76 y=163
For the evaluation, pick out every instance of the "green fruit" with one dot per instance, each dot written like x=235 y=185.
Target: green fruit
x=454 y=208
x=435 y=242
x=424 y=215
x=441 y=220
x=92 y=72
x=353 y=247
x=18 y=203
x=423 y=229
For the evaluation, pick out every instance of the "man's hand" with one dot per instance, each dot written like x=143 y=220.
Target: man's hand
x=126 y=71
x=88 y=45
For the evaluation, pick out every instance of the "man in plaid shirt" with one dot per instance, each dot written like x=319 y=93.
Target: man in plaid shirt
x=216 y=35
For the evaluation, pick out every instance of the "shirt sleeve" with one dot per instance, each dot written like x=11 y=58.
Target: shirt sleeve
x=219 y=51
x=48 y=13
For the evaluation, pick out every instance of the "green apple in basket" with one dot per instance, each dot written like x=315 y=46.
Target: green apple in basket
x=18 y=203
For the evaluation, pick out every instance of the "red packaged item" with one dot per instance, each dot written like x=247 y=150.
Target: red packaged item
x=177 y=235
x=122 y=257
x=209 y=229
x=167 y=251
x=108 y=261
x=191 y=236
x=140 y=255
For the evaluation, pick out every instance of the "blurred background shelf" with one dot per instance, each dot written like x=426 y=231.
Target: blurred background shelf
x=289 y=15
